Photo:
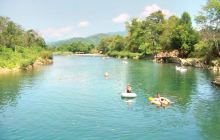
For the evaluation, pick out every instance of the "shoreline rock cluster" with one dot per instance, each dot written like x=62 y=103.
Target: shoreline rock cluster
x=38 y=62
x=172 y=57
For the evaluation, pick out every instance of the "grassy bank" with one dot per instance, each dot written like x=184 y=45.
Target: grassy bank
x=22 y=57
x=124 y=54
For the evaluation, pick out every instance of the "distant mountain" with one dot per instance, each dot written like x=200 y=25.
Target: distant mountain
x=122 y=33
x=93 y=39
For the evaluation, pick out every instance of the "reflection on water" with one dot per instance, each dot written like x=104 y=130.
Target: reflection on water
x=73 y=99
x=11 y=84
x=207 y=112
x=130 y=102
x=9 y=88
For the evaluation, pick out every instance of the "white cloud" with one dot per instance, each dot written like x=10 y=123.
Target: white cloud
x=121 y=18
x=154 y=8
x=57 y=33
x=83 y=24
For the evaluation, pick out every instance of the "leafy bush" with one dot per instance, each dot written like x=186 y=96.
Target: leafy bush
x=46 y=55
x=22 y=57
x=123 y=54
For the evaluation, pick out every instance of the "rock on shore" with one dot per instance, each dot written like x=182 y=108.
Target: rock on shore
x=172 y=57
x=39 y=62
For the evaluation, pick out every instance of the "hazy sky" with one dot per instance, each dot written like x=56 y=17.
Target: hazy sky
x=56 y=20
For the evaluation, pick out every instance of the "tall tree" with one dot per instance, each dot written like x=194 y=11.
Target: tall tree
x=169 y=27
x=12 y=35
x=209 y=22
x=135 y=32
x=184 y=37
x=186 y=19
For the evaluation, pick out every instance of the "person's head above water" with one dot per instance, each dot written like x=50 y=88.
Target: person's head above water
x=158 y=95
x=106 y=74
x=128 y=88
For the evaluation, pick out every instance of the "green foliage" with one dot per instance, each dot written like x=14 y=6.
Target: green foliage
x=22 y=57
x=76 y=47
x=210 y=15
x=152 y=35
x=202 y=48
x=19 y=48
x=123 y=54
x=45 y=54
x=208 y=21
x=186 y=19
x=144 y=35
x=184 y=37
x=12 y=35
x=116 y=43
x=169 y=29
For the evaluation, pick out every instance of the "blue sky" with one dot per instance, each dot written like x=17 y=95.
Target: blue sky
x=57 y=20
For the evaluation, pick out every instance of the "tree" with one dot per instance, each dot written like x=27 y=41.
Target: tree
x=143 y=35
x=31 y=38
x=135 y=34
x=12 y=35
x=186 y=19
x=209 y=23
x=169 y=28
x=184 y=37
x=156 y=30
x=103 y=46
x=117 y=43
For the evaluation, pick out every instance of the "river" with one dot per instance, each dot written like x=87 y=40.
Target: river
x=72 y=99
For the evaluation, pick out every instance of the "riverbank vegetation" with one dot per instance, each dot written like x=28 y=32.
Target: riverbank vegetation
x=75 y=47
x=20 y=48
x=157 y=33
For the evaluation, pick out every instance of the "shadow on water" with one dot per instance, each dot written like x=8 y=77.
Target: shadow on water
x=11 y=84
x=129 y=101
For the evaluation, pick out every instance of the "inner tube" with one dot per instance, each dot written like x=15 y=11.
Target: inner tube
x=159 y=101
x=181 y=69
x=128 y=95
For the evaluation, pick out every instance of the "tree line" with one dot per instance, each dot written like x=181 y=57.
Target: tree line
x=19 y=48
x=76 y=47
x=155 y=33
x=12 y=35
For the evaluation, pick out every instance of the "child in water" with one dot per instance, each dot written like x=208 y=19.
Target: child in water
x=158 y=95
x=128 y=88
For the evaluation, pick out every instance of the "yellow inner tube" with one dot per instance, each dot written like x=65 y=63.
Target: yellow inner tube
x=150 y=98
x=158 y=101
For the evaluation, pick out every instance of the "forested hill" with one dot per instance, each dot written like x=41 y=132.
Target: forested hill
x=93 y=39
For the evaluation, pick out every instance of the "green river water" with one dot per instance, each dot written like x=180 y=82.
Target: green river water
x=72 y=100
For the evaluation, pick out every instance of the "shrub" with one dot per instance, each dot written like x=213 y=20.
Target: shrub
x=46 y=55
x=123 y=54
